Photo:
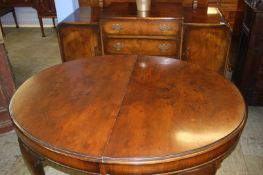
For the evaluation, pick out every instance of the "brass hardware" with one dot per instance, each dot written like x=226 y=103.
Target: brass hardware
x=194 y=4
x=2 y=109
x=117 y=27
x=118 y=46
x=165 y=27
x=164 y=47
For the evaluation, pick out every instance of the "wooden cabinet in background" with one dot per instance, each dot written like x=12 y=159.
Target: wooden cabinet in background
x=248 y=75
x=157 y=36
x=44 y=8
x=233 y=12
x=205 y=41
x=207 y=46
x=79 y=41
x=7 y=88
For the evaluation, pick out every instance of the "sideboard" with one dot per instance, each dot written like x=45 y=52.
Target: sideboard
x=44 y=8
x=200 y=36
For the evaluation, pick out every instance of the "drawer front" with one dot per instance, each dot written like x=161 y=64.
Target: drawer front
x=120 y=27
x=160 y=47
x=142 y=27
x=161 y=27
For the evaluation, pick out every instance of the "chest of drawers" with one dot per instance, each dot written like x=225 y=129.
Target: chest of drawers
x=142 y=36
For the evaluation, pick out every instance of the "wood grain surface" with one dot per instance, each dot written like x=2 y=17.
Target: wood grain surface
x=129 y=115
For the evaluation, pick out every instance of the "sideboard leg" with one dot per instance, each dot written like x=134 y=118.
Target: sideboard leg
x=53 y=20
x=32 y=160
x=41 y=26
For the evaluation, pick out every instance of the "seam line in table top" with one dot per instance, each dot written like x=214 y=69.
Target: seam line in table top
x=117 y=115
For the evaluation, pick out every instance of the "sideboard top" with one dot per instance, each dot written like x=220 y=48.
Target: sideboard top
x=209 y=15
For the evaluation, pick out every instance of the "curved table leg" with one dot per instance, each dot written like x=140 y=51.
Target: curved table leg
x=32 y=160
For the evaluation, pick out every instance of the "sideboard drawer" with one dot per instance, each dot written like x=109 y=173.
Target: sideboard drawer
x=161 y=27
x=164 y=47
x=164 y=27
x=120 y=27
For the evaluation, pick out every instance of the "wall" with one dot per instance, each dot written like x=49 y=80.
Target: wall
x=64 y=8
x=27 y=17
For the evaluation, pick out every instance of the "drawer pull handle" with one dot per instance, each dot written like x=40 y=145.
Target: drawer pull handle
x=117 y=27
x=118 y=46
x=165 y=27
x=164 y=47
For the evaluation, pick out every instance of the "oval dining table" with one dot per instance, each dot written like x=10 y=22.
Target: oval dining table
x=128 y=114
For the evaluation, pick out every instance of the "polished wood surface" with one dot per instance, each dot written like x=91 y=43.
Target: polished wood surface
x=233 y=13
x=44 y=8
x=129 y=114
x=198 y=41
x=84 y=39
x=163 y=31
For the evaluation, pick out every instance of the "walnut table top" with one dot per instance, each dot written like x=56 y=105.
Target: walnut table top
x=128 y=115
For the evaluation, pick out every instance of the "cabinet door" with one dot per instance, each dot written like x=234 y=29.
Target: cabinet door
x=79 y=41
x=207 y=46
x=46 y=7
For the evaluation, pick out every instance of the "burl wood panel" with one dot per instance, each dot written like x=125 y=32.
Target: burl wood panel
x=207 y=46
x=130 y=115
x=152 y=27
x=79 y=41
x=168 y=47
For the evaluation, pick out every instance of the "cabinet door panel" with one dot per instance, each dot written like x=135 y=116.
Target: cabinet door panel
x=79 y=41
x=207 y=46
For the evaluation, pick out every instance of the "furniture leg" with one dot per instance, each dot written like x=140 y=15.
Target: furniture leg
x=32 y=160
x=14 y=15
x=53 y=20
x=41 y=26
x=3 y=33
